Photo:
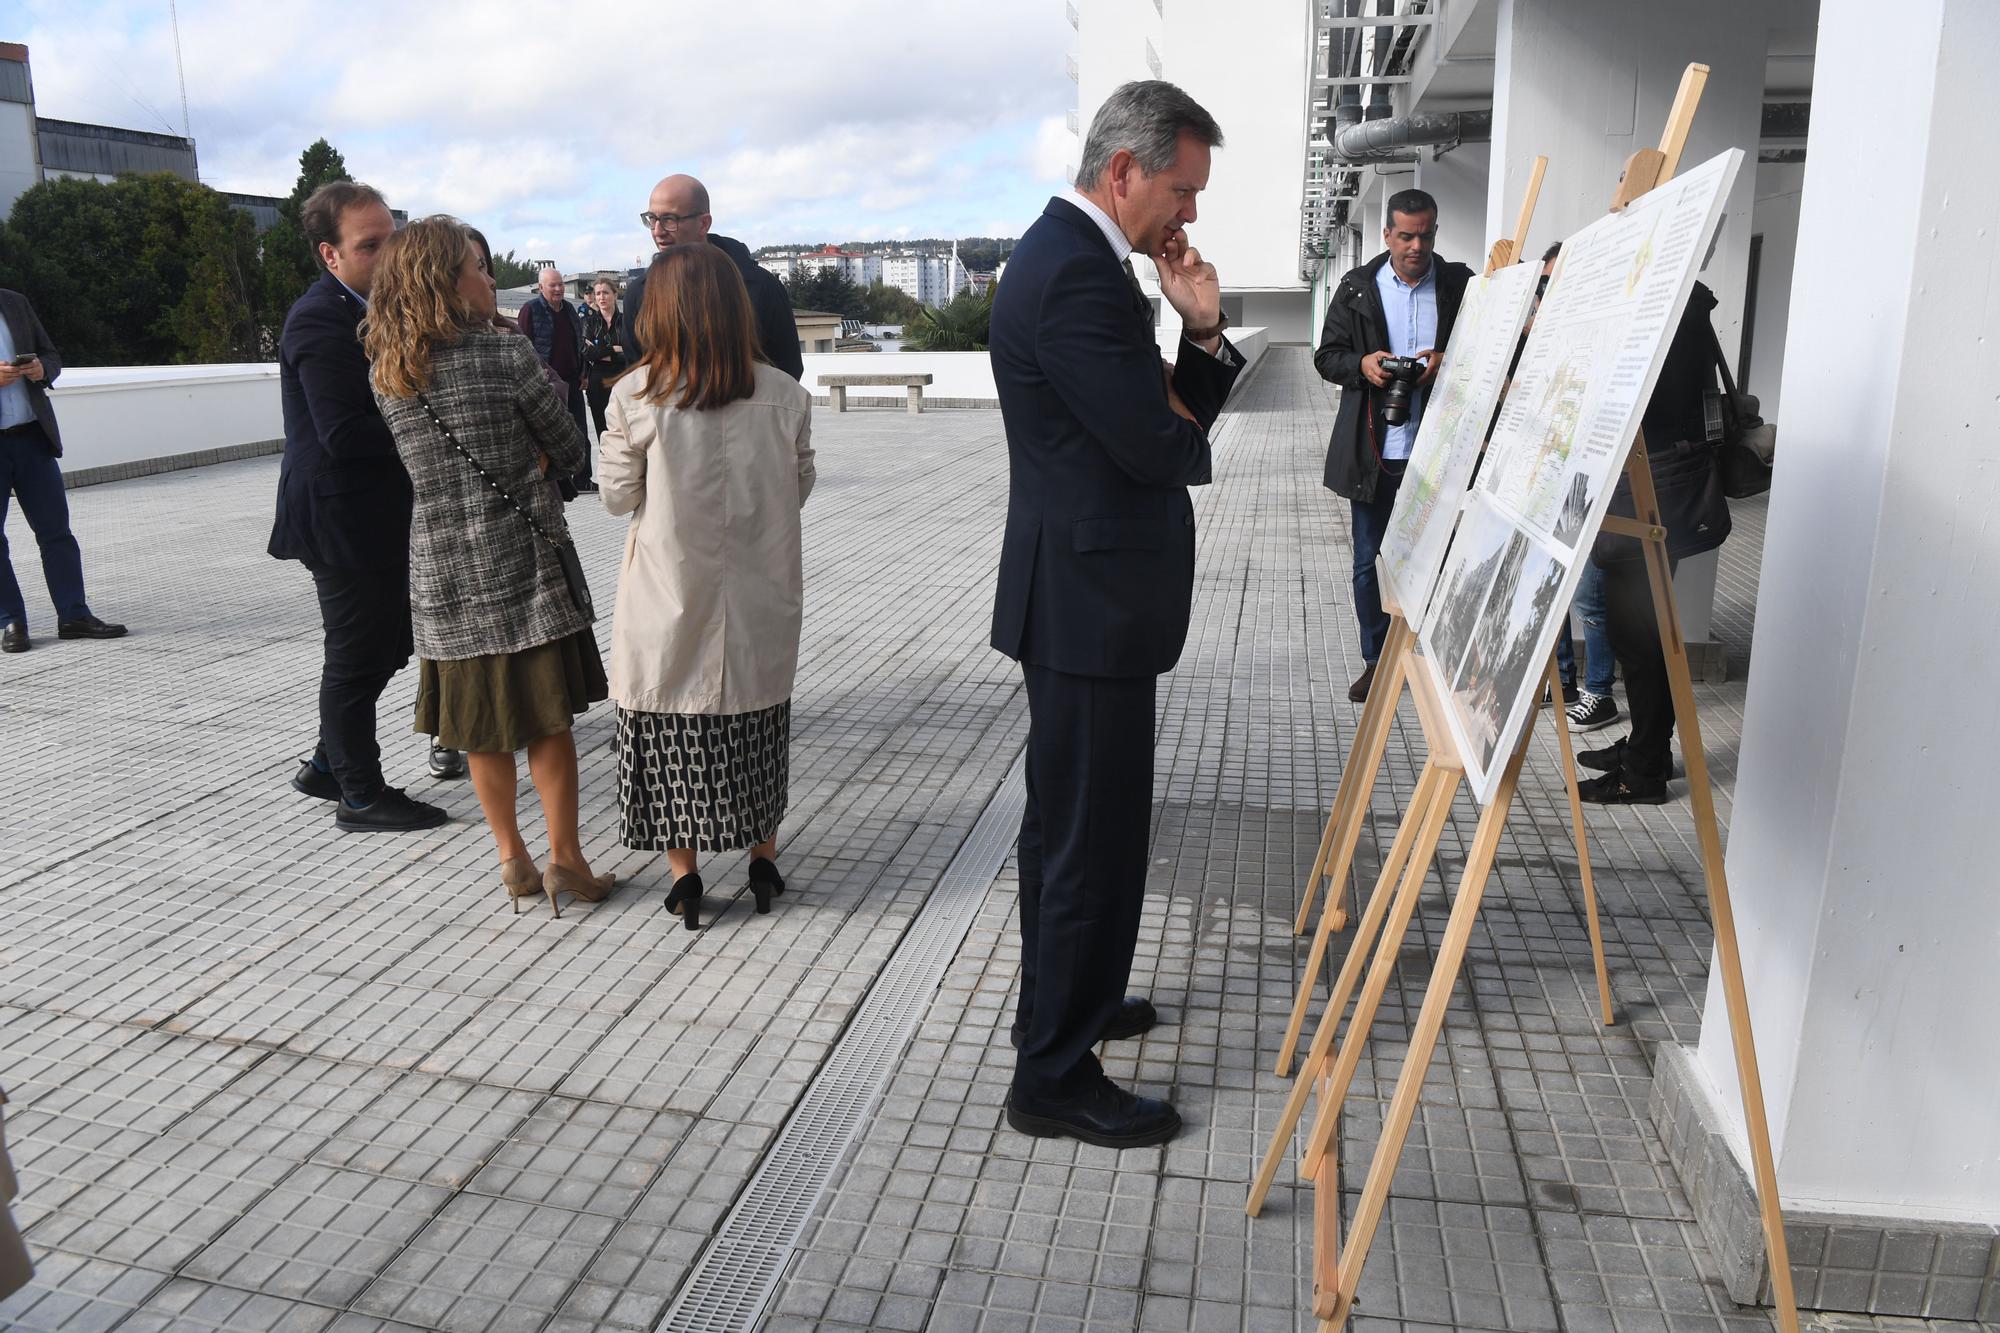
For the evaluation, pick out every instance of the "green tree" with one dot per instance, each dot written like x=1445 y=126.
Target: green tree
x=289 y=264
x=144 y=270
x=828 y=290
x=883 y=304
x=960 y=326
x=511 y=272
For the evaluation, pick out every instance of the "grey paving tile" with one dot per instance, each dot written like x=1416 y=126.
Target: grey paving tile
x=487 y=1263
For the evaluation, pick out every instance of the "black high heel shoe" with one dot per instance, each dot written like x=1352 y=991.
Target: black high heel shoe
x=684 y=900
x=765 y=882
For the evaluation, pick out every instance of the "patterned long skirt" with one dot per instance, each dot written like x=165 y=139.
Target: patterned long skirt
x=714 y=783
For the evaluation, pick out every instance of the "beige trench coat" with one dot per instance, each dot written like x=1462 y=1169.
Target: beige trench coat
x=712 y=589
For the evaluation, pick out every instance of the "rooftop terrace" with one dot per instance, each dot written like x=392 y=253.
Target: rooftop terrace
x=265 y=1076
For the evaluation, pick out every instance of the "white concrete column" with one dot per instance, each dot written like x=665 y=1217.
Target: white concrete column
x=1862 y=848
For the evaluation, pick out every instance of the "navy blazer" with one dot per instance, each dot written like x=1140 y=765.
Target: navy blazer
x=343 y=496
x=1097 y=564
x=24 y=326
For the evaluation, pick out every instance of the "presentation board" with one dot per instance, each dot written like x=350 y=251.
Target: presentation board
x=1452 y=431
x=1563 y=434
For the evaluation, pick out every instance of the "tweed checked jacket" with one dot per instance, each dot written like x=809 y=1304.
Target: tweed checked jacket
x=481 y=581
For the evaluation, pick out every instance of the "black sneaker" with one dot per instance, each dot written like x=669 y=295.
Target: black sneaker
x=1621 y=788
x=1607 y=760
x=391 y=812
x=446 y=763
x=1591 y=711
x=315 y=781
x=1569 y=694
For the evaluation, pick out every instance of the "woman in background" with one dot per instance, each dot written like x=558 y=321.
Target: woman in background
x=711 y=453
x=506 y=653
x=603 y=358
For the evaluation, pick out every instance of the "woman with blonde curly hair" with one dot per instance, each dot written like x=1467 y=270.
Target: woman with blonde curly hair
x=498 y=607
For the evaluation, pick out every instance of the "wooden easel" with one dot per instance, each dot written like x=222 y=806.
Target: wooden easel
x=1357 y=785
x=1337 y=1276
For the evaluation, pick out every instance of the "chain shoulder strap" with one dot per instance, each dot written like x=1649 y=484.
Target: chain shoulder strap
x=498 y=489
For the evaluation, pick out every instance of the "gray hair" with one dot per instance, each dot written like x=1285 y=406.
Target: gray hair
x=1146 y=118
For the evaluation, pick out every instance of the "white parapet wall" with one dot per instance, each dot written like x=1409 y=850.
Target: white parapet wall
x=961 y=379
x=128 y=421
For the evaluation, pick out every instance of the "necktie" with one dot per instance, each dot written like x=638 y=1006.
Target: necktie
x=1139 y=297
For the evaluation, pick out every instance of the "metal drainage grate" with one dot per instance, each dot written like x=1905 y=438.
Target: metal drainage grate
x=735 y=1276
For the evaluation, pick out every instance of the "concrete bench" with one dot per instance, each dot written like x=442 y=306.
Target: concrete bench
x=836 y=387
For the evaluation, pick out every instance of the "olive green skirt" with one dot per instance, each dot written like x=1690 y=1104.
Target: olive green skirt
x=501 y=702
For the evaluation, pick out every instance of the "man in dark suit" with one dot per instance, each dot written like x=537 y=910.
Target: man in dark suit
x=344 y=511
x=677 y=214
x=1097 y=578
x=30 y=444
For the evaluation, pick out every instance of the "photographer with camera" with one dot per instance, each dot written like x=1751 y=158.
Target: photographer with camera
x=1386 y=326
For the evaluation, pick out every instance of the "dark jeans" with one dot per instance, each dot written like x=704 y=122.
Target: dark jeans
x=366 y=615
x=30 y=472
x=1371 y=522
x=597 y=393
x=1631 y=622
x=1082 y=856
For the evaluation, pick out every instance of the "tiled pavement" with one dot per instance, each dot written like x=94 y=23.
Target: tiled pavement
x=268 y=1077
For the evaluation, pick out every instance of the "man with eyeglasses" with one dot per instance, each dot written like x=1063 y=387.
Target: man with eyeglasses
x=677 y=214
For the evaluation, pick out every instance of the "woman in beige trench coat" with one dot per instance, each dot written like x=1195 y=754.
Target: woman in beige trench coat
x=710 y=452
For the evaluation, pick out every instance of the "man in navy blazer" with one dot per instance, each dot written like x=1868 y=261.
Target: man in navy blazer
x=344 y=505
x=1097 y=578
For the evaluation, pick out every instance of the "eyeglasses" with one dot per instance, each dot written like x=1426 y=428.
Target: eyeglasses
x=671 y=221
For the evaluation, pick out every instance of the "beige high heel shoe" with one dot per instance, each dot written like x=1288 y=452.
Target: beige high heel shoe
x=520 y=878
x=584 y=888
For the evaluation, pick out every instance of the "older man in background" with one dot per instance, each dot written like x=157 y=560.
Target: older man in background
x=551 y=323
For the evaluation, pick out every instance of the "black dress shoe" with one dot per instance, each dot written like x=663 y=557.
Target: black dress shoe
x=1135 y=1015
x=1357 y=693
x=1611 y=759
x=88 y=627
x=1105 y=1115
x=14 y=638
x=315 y=781
x=391 y=812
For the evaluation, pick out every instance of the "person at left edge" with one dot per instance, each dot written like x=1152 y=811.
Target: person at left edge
x=1097 y=578
x=30 y=444
x=344 y=511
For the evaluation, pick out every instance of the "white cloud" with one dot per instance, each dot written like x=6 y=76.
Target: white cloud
x=840 y=120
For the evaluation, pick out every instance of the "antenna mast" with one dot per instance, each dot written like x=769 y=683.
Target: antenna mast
x=173 y=12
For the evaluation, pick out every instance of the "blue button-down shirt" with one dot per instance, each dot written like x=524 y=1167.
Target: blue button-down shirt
x=1412 y=313
x=15 y=407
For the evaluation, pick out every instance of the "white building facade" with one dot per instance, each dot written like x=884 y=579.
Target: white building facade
x=931 y=279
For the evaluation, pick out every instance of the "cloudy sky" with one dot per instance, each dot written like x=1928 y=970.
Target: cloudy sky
x=547 y=124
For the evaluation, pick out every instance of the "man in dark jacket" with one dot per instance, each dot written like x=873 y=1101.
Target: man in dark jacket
x=30 y=444
x=1097 y=578
x=1400 y=303
x=677 y=214
x=344 y=511
x=552 y=324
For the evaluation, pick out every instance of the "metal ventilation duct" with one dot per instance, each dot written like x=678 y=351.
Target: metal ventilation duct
x=1358 y=140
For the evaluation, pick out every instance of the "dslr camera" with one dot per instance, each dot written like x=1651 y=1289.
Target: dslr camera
x=1403 y=373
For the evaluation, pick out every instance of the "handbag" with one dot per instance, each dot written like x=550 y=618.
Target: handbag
x=1687 y=483
x=1749 y=444
x=566 y=556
